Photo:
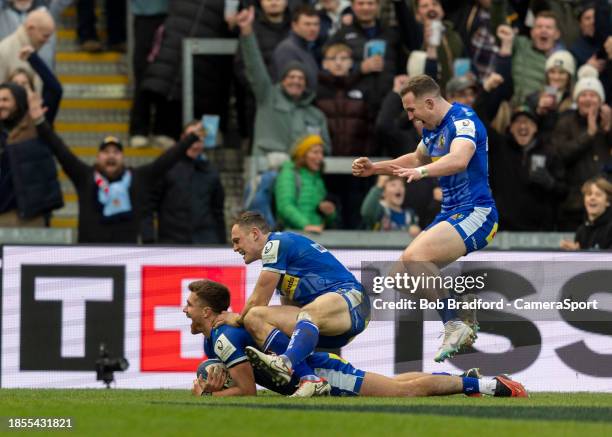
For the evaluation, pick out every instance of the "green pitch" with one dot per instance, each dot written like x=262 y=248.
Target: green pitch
x=170 y=412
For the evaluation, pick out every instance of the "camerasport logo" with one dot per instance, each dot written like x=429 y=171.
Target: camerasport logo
x=167 y=342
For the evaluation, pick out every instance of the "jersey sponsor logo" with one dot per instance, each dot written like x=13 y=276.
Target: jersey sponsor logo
x=288 y=285
x=465 y=127
x=318 y=247
x=269 y=254
x=224 y=348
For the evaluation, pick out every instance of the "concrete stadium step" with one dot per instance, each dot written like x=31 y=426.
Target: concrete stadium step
x=94 y=110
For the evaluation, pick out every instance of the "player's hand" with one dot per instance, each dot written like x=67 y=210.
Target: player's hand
x=569 y=245
x=25 y=52
x=315 y=229
x=373 y=64
x=362 y=167
x=245 y=19
x=227 y=318
x=198 y=386
x=411 y=174
x=326 y=207
x=216 y=379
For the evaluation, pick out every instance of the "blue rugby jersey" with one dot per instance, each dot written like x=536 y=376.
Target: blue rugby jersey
x=469 y=188
x=307 y=269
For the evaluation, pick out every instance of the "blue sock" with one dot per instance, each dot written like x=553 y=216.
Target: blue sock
x=470 y=385
x=447 y=314
x=303 y=341
x=277 y=342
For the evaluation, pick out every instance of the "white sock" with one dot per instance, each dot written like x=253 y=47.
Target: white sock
x=487 y=386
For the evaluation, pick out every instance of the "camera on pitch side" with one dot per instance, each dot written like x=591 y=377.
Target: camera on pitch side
x=106 y=366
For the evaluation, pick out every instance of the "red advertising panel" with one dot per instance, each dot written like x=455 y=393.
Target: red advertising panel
x=165 y=288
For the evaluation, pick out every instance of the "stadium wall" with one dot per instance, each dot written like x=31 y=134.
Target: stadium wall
x=60 y=302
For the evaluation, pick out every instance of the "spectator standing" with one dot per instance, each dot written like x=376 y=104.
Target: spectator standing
x=556 y=97
x=583 y=139
x=148 y=16
x=188 y=200
x=29 y=189
x=272 y=25
x=115 y=12
x=111 y=195
x=51 y=87
x=285 y=110
x=526 y=176
x=35 y=32
x=427 y=30
x=14 y=12
x=163 y=76
x=300 y=45
x=530 y=54
x=377 y=70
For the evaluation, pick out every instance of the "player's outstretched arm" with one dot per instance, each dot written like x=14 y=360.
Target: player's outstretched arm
x=243 y=377
x=363 y=167
x=456 y=161
x=264 y=289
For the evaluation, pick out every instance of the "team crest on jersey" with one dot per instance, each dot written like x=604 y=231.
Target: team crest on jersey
x=457 y=216
x=441 y=142
x=269 y=254
x=224 y=348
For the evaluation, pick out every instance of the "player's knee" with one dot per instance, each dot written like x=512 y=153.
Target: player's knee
x=254 y=319
x=415 y=256
x=304 y=315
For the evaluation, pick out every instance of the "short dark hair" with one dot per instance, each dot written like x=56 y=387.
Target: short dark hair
x=250 y=219
x=307 y=10
x=420 y=85
x=547 y=14
x=211 y=293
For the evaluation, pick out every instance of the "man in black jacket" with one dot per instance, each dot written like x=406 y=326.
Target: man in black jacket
x=111 y=195
x=526 y=176
x=188 y=201
x=29 y=188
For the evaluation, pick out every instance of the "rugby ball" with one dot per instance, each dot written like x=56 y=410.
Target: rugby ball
x=211 y=367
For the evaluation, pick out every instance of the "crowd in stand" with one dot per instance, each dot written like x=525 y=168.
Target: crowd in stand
x=310 y=80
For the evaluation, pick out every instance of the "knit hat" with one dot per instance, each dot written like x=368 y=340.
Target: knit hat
x=562 y=59
x=304 y=144
x=290 y=66
x=588 y=80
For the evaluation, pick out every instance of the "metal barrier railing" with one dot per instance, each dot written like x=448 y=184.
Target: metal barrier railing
x=200 y=46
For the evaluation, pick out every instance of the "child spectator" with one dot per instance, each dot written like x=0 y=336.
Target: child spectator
x=382 y=209
x=596 y=231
